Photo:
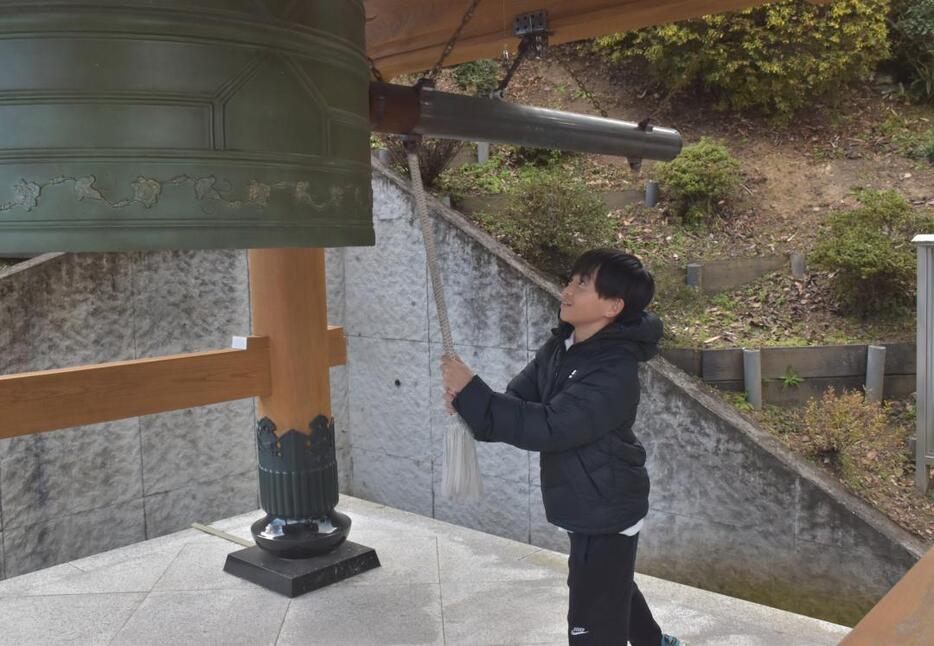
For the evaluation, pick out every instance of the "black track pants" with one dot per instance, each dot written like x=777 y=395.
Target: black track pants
x=606 y=606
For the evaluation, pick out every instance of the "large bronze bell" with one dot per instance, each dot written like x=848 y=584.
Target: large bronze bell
x=183 y=124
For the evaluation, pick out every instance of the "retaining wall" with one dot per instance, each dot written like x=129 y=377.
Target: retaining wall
x=731 y=509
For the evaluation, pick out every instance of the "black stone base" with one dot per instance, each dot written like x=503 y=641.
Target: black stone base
x=293 y=577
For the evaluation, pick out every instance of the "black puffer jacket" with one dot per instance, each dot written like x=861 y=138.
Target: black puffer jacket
x=576 y=406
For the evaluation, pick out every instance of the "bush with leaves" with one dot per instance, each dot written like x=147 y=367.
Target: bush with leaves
x=912 y=26
x=923 y=147
x=854 y=437
x=774 y=58
x=525 y=155
x=505 y=168
x=699 y=179
x=550 y=218
x=869 y=252
x=434 y=156
x=477 y=77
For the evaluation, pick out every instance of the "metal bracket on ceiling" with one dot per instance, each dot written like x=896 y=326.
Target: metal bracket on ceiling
x=532 y=30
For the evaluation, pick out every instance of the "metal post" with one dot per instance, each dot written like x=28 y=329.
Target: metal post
x=797 y=265
x=924 y=453
x=752 y=375
x=875 y=373
x=651 y=193
x=483 y=152
x=695 y=270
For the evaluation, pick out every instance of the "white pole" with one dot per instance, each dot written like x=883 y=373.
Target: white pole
x=924 y=447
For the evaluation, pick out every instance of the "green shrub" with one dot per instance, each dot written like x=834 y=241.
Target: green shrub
x=699 y=179
x=774 y=58
x=524 y=155
x=493 y=176
x=869 y=252
x=434 y=156
x=477 y=77
x=550 y=218
x=912 y=27
x=505 y=168
x=924 y=148
x=854 y=437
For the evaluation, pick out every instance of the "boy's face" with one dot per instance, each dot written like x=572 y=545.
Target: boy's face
x=582 y=306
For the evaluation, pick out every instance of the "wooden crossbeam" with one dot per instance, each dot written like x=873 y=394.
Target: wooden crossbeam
x=409 y=35
x=905 y=615
x=35 y=402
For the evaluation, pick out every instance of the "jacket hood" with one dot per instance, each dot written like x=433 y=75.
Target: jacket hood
x=638 y=337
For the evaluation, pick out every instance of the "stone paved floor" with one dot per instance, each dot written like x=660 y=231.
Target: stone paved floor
x=438 y=584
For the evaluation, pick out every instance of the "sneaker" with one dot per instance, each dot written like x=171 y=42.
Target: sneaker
x=668 y=640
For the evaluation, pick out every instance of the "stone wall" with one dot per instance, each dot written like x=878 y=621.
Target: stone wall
x=69 y=493
x=731 y=509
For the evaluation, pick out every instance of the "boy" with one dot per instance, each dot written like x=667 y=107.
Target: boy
x=575 y=403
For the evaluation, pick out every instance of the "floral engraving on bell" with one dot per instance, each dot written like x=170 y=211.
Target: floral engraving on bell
x=25 y=194
x=84 y=189
x=259 y=193
x=147 y=191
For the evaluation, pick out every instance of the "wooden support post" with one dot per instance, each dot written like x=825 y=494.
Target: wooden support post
x=295 y=432
x=289 y=306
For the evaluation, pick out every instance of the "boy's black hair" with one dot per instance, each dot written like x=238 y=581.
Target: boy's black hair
x=619 y=275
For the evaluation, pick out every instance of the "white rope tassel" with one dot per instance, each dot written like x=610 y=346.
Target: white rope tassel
x=460 y=471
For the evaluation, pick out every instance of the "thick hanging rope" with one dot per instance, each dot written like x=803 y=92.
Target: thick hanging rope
x=460 y=472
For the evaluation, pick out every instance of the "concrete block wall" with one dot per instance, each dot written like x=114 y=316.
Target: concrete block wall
x=73 y=492
x=731 y=509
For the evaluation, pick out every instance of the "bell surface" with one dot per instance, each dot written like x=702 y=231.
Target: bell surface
x=196 y=124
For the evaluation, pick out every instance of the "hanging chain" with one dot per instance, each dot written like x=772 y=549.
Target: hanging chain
x=500 y=91
x=664 y=104
x=375 y=72
x=449 y=47
x=559 y=56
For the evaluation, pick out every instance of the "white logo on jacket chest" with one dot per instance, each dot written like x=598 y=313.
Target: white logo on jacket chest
x=572 y=373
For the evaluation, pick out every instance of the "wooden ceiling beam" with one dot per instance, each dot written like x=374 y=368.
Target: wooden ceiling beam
x=408 y=35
